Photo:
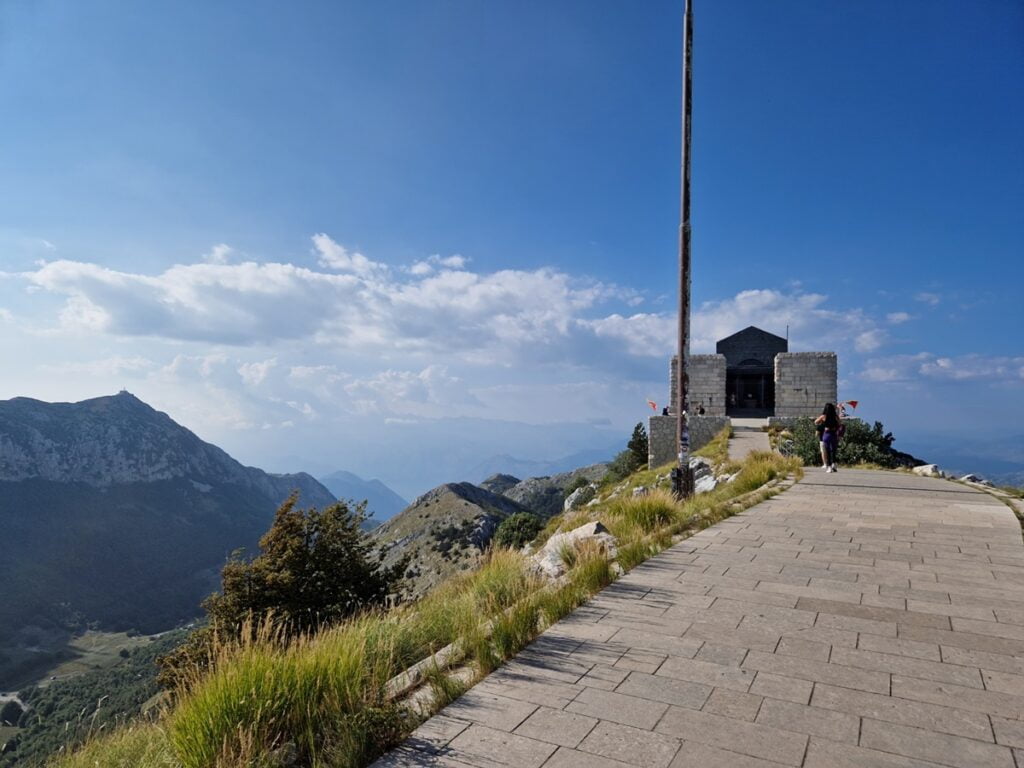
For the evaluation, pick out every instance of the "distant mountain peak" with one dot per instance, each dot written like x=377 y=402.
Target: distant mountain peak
x=119 y=438
x=381 y=502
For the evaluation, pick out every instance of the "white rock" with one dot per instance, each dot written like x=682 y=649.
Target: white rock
x=640 y=490
x=929 y=470
x=705 y=484
x=579 y=497
x=976 y=479
x=549 y=560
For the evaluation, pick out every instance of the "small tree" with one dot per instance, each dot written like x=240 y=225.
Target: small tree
x=637 y=447
x=517 y=530
x=315 y=567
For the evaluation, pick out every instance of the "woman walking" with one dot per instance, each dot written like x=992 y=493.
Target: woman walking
x=828 y=425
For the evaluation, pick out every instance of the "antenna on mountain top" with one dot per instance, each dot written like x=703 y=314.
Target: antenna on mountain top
x=682 y=479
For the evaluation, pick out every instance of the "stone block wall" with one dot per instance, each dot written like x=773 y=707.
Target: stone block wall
x=707 y=383
x=661 y=436
x=804 y=382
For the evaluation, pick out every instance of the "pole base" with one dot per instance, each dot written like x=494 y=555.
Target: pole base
x=682 y=483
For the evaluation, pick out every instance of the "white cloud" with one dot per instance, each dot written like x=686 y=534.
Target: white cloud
x=219 y=254
x=975 y=368
x=253 y=374
x=925 y=366
x=651 y=335
x=869 y=341
x=897 y=318
x=452 y=262
x=926 y=297
x=813 y=323
x=117 y=365
x=335 y=256
x=444 y=315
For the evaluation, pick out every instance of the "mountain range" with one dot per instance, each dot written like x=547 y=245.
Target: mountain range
x=381 y=502
x=115 y=516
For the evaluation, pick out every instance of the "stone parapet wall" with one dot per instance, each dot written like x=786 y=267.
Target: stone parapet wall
x=804 y=382
x=661 y=436
x=707 y=383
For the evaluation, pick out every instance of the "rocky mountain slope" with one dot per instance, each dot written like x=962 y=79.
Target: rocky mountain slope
x=544 y=496
x=114 y=515
x=443 y=531
x=382 y=503
x=446 y=529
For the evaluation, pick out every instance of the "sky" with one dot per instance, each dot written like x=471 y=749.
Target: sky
x=398 y=238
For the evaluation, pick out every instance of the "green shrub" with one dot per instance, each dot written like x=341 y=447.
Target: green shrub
x=619 y=468
x=517 y=530
x=315 y=568
x=860 y=444
x=576 y=484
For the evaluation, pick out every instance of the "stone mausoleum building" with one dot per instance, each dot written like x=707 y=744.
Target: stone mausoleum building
x=752 y=375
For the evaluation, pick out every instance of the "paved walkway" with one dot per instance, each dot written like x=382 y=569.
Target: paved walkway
x=858 y=619
x=747 y=437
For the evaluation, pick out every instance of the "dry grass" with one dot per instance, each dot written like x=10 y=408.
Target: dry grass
x=324 y=697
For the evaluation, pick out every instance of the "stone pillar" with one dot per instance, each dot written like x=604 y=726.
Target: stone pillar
x=804 y=382
x=707 y=384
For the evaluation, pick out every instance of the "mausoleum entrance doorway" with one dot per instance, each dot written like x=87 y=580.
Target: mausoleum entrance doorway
x=750 y=390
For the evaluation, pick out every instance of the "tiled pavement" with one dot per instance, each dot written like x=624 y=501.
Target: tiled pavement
x=858 y=619
x=748 y=436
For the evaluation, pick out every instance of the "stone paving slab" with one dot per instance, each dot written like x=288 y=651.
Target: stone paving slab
x=748 y=435
x=859 y=619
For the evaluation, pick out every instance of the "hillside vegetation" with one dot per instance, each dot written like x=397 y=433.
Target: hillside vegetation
x=861 y=444
x=68 y=712
x=323 y=698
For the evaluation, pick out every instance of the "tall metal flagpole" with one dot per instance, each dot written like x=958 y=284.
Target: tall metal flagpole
x=682 y=478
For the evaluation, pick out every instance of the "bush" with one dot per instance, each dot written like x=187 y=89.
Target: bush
x=860 y=444
x=315 y=568
x=10 y=713
x=630 y=460
x=576 y=484
x=619 y=468
x=517 y=530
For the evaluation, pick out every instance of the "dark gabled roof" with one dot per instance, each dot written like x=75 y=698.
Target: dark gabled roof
x=750 y=330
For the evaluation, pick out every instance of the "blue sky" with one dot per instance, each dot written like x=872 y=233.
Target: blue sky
x=309 y=229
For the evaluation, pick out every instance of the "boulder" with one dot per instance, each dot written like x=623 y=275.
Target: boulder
x=976 y=479
x=549 y=560
x=704 y=483
x=928 y=470
x=579 y=497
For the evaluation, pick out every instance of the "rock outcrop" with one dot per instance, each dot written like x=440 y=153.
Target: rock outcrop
x=545 y=496
x=443 y=531
x=550 y=560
